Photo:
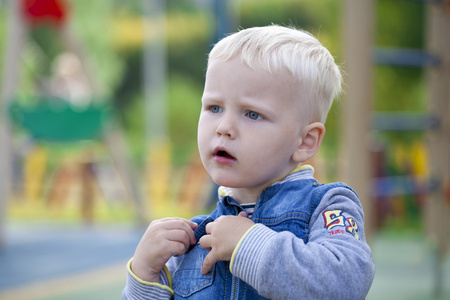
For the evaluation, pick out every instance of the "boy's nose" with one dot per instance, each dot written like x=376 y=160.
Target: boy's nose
x=226 y=127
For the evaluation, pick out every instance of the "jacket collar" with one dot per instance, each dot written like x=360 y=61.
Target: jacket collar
x=299 y=173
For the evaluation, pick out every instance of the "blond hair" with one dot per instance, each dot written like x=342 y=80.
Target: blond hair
x=275 y=48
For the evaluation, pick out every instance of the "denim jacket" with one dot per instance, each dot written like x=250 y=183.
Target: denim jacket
x=285 y=206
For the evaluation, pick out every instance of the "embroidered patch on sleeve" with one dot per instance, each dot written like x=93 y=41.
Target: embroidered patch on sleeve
x=337 y=223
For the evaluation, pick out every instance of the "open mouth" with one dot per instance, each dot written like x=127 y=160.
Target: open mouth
x=224 y=154
x=223 y=157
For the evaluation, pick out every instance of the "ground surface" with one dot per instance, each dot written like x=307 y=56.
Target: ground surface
x=65 y=262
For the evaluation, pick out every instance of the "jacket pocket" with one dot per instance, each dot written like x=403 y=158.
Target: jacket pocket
x=188 y=279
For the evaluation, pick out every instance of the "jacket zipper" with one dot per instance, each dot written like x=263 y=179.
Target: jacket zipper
x=234 y=289
x=235 y=279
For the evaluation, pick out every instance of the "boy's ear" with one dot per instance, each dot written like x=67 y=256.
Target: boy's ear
x=309 y=143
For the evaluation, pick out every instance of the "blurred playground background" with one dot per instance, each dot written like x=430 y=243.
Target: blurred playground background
x=99 y=107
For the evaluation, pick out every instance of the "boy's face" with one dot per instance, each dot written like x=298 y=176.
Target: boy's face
x=249 y=127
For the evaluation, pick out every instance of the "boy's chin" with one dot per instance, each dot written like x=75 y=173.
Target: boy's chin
x=226 y=182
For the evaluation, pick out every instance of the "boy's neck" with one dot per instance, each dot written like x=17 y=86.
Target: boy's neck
x=249 y=195
x=245 y=195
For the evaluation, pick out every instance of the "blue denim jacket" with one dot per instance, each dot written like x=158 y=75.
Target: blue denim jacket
x=283 y=206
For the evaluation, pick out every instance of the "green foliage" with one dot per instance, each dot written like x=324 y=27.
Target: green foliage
x=127 y=89
x=133 y=121
x=48 y=48
x=184 y=98
x=399 y=24
x=321 y=18
x=184 y=108
x=189 y=40
x=3 y=30
x=92 y=23
x=399 y=89
x=302 y=14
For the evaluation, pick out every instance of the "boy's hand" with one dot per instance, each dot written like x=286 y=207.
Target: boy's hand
x=222 y=237
x=162 y=239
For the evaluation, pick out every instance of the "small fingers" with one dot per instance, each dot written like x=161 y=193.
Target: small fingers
x=209 y=227
x=208 y=262
x=177 y=248
x=179 y=236
x=205 y=242
x=180 y=224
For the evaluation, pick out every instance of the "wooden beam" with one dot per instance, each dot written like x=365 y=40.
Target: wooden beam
x=437 y=207
x=356 y=165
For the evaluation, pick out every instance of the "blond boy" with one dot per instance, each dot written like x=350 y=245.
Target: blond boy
x=276 y=232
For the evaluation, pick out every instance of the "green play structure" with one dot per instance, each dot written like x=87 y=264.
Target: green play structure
x=55 y=120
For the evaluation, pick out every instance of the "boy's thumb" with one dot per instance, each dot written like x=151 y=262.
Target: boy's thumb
x=242 y=214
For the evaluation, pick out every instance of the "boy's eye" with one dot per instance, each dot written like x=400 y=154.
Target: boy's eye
x=254 y=116
x=215 y=109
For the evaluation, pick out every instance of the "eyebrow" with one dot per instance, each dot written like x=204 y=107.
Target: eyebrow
x=258 y=105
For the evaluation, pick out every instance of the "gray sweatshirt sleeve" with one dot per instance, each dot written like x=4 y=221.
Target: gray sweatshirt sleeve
x=137 y=289
x=336 y=261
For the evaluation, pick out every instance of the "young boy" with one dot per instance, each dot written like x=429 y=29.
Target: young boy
x=276 y=232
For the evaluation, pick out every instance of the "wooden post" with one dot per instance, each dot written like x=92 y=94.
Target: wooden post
x=437 y=208
x=87 y=188
x=14 y=42
x=158 y=164
x=356 y=165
